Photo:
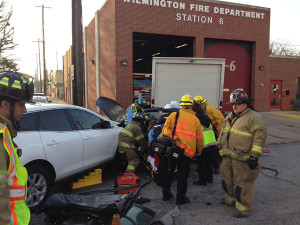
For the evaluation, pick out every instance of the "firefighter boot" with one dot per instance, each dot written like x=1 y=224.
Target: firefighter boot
x=182 y=201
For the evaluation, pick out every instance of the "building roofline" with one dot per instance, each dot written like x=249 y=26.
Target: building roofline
x=236 y=4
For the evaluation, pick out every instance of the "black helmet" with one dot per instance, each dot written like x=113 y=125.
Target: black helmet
x=15 y=87
x=238 y=96
x=138 y=116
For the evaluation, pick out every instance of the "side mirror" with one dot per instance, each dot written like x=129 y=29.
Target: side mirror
x=105 y=124
x=102 y=125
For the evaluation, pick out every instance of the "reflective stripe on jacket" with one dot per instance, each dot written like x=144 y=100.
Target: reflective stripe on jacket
x=209 y=136
x=130 y=111
x=215 y=116
x=188 y=132
x=131 y=137
x=17 y=180
x=246 y=136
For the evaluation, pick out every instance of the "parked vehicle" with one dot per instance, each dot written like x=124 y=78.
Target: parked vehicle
x=38 y=94
x=174 y=77
x=40 y=99
x=61 y=141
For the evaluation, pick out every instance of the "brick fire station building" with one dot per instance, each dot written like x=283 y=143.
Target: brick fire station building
x=124 y=35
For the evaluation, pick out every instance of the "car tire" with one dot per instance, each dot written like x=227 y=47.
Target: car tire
x=38 y=186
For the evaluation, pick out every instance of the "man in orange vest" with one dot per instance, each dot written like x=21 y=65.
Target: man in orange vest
x=189 y=136
x=15 y=90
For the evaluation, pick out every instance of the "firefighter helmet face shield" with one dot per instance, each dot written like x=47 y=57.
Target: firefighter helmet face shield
x=238 y=97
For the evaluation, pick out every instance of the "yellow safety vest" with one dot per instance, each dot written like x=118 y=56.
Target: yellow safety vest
x=17 y=182
x=134 y=109
x=209 y=136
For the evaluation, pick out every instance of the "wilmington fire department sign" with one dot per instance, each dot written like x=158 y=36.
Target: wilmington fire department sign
x=197 y=13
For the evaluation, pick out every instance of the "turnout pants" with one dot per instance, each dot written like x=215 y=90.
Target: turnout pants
x=205 y=165
x=238 y=183
x=132 y=158
x=166 y=173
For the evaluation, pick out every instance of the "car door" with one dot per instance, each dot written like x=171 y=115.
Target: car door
x=63 y=145
x=97 y=135
x=28 y=138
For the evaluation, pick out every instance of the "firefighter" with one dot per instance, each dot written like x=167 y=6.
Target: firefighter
x=136 y=107
x=241 y=142
x=189 y=136
x=216 y=118
x=15 y=90
x=131 y=137
x=205 y=160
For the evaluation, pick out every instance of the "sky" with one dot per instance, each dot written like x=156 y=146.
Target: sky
x=27 y=21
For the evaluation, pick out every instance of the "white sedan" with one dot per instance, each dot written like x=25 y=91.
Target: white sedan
x=60 y=141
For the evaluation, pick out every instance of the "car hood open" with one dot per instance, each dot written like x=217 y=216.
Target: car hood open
x=112 y=109
x=116 y=112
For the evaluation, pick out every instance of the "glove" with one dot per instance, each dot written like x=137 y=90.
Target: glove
x=252 y=162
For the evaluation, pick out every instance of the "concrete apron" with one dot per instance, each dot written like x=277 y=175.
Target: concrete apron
x=283 y=127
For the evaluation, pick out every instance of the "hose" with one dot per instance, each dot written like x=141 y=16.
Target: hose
x=275 y=177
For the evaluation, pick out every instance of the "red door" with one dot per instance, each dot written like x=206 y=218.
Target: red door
x=238 y=65
x=275 y=94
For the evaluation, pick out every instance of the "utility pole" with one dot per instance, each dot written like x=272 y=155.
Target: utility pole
x=44 y=57
x=77 y=54
x=41 y=86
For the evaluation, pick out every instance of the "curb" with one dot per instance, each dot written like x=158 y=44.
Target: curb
x=291 y=116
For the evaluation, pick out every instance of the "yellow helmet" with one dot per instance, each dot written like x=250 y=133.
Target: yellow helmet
x=200 y=99
x=186 y=100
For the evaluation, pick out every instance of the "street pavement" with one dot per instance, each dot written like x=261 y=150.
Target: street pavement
x=276 y=198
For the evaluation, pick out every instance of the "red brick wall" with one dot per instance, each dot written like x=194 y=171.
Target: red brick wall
x=108 y=52
x=286 y=69
x=67 y=76
x=150 y=19
x=91 y=67
x=119 y=19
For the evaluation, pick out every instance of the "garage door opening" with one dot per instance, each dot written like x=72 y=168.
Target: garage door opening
x=147 y=46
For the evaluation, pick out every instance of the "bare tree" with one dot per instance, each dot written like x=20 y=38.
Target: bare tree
x=6 y=39
x=283 y=48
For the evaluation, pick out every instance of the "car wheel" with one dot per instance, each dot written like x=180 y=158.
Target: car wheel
x=38 y=186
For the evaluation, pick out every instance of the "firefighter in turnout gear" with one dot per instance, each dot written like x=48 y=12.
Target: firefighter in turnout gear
x=205 y=160
x=15 y=90
x=214 y=114
x=136 y=107
x=131 y=137
x=189 y=136
x=216 y=118
x=241 y=142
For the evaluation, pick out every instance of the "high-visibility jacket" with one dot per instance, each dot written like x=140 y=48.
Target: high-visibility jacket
x=215 y=116
x=131 y=137
x=209 y=136
x=130 y=111
x=16 y=176
x=242 y=135
x=188 y=133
